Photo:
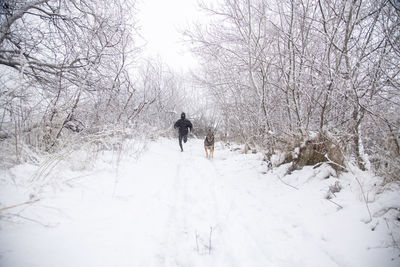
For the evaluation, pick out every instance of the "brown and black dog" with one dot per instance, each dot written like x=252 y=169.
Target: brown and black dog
x=209 y=144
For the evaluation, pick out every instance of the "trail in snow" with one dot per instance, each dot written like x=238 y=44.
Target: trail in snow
x=181 y=209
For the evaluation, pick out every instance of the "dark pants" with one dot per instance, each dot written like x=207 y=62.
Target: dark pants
x=184 y=137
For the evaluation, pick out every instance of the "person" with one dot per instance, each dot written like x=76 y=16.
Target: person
x=183 y=126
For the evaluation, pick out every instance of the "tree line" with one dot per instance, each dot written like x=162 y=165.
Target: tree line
x=280 y=71
x=72 y=71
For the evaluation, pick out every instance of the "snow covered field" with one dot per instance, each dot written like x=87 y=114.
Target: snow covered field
x=180 y=209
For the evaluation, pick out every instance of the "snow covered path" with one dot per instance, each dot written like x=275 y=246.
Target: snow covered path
x=181 y=209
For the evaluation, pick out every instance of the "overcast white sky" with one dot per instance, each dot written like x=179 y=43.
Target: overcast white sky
x=160 y=22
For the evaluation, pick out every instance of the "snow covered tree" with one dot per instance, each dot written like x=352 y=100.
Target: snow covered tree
x=283 y=70
x=65 y=66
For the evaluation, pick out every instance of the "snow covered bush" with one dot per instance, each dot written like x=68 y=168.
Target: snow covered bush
x=319 y=148
x=322 y=148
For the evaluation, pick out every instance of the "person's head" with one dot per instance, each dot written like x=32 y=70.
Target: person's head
x=183 y=115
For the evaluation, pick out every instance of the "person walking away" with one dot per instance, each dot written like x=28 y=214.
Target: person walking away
x=183 y=126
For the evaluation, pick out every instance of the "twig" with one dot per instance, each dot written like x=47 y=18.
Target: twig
x=332 y=162
x=365 y=199
x=12 y=90
x=33 y=220
x=209 y=241
x=358 y=181
x=285 y=182
x=383 y=211
x=78 y=177
x=340 y=207
x=391 y=234
x=197 y=242
x=20 y=204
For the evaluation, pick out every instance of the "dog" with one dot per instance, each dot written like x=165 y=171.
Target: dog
x=209 y=144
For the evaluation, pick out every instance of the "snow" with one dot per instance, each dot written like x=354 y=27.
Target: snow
x=168 y=208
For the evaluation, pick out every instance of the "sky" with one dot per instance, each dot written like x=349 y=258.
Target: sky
x=161 y=22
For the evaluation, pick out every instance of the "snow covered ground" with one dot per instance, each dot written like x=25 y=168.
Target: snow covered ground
x=169 y=208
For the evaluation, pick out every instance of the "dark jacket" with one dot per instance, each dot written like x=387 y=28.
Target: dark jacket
x=183 y=124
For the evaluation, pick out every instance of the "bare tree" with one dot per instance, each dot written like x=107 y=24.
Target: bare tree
x=66 y=66
x=280 y=70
